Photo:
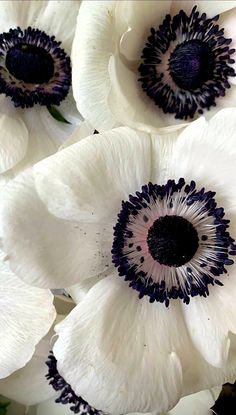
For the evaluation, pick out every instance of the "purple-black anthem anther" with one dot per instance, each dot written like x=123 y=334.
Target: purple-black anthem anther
x=172 y=241
x=186 y=64
x=67 y=396
x=34 y=69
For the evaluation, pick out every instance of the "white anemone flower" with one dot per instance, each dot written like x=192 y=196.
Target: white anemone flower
x=35 y=77
x=153 y=219
x=153 y=65
x=27 y=314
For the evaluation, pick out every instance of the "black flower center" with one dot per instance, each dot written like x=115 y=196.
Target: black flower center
x=34 y=69
x=191 y=64
x=29 y=63
x=172 y=240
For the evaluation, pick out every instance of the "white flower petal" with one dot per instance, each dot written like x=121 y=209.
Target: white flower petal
x=210 y=7
x=196 y=404
x=227 y=21
x=91 y=87
x=130 y=104
x=53 y=253
x=56 y=18
x=78 y=291
x=89 y=180
x=50 y=407
x=21 y=13
x=84 y=130
x=69 y=111
x=205 y=152
x=133 y=15
x=27 y=313
x=29 y=385
x=209 y=320
x=117 y=344
x=13 y=140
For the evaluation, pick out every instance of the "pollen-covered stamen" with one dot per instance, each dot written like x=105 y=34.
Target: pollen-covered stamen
x=33 y=68
x=171 y=241
x=186 y=64
x=77 y=404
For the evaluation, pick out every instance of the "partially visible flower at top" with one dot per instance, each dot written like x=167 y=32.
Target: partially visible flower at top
x=35 y=80
x=153 y=65
x=152 y=219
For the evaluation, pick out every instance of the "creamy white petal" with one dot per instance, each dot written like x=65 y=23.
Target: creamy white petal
x=83 y=130
x=90 y=78
x=50 y=252
x=56 y=18
x=69 y=111
x=27 y=314
x=89 y=179
x=21 y=13
x=50 y=407
x=205 y=152
x=210 y=7
x=29 y=385
x=78 y=291
x=133 y=22
x=227 y=21
x=195 y=404
x=130 y=104
x=126 y=359
x=210 y=320
x=13 y=140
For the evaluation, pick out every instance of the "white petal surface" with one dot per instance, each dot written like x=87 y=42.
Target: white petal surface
x=130 y=104
x=227 y=21
x=56 y=18
x=83 y=130
x=22 y=13
x=90 y=78
x=120 y=353
x=26 y=316
x=209 y=320
x=205 y=152
x=210 y=7
x=29 y=385
x=53 y=253
x=196 y=404
x=133 y=22
x=51 y=408
x=13 y=140
x=89 y=180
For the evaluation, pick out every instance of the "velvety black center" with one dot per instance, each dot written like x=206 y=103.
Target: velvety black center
x=29 y=63
x=191 y=64
x=172 y=240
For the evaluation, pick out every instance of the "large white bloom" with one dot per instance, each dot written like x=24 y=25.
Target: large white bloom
x=159 y=323
x=186 y=68
x=35 y=73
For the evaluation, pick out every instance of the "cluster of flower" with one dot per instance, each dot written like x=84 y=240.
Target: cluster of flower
x=118 y=206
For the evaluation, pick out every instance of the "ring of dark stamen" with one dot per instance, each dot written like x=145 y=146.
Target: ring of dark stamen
x=67 y=396
x=172 y=240
x=210 y=268
x=185 y=88
x=34 y=69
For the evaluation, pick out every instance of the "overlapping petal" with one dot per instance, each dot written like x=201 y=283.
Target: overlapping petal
x=27 y=314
